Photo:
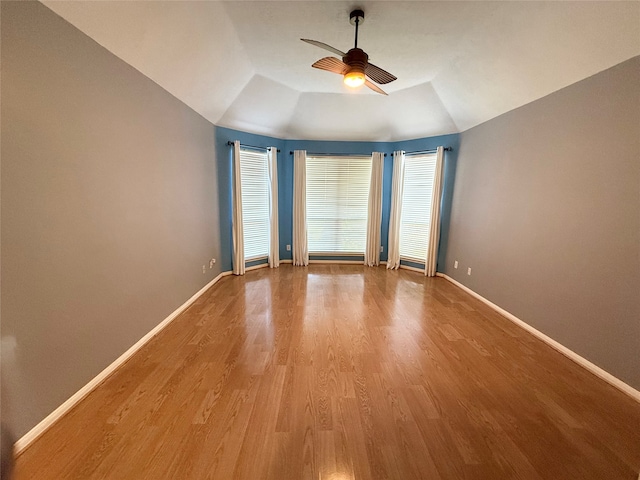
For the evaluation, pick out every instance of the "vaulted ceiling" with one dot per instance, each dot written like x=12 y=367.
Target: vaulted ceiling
x=241 y=64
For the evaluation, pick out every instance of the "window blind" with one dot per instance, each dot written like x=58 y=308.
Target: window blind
x=254 y=176
x=337 y=203
x=415 y=219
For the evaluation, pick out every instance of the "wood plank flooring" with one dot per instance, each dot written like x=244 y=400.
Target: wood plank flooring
x=340 y=373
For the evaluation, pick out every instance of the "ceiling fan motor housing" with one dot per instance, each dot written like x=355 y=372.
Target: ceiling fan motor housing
x=356 y=59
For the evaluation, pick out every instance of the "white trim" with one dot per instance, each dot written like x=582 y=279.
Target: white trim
x=59 y=412
x=583 y=362
x=286 y=261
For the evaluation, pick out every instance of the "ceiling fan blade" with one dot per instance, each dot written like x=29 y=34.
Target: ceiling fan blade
x=374 y=87
x=331 y=64
x=324 y=45
x=378 y=75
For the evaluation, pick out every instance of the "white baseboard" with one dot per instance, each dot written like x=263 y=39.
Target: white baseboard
x=583 y=362
x=59 y=412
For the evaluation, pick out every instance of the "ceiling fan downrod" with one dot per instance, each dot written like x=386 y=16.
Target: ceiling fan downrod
x=356 y=17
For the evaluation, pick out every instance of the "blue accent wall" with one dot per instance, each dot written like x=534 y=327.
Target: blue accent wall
x=285 y=180
x=352 y=148
x=450 y=163
x=224 y=154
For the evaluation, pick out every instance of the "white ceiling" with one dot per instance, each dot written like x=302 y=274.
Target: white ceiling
x=241 y=64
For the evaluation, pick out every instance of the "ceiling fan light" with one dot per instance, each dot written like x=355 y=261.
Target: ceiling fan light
x=354 y=78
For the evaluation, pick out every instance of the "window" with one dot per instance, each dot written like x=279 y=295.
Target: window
x=254 y=176
x=337 y=204
x=415 y=218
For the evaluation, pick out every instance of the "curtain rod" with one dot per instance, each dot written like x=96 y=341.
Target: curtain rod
x=230 y=143
x=335 y=154
x=433 y=150
x=446 y=149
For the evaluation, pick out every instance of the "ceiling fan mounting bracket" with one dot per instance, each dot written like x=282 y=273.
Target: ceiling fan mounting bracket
x=356 y=15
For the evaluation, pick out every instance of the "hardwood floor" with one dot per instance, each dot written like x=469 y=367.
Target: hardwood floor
x=341 y=373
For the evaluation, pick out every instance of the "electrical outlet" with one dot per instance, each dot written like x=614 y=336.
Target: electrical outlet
x=204 y=269
x=381 y=249
x=455 y=264
x=288 y=248
x=469 y=271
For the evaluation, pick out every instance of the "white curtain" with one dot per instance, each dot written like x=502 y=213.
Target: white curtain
x=374 y=215
x=237 y=226
x=300 y=246
x=393 y=260
x=434 y=231
x=274 y=238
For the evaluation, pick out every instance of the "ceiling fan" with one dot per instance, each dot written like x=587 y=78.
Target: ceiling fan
x=354 y=66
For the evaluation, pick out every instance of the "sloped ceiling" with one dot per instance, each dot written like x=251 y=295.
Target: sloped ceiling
x=242 y=65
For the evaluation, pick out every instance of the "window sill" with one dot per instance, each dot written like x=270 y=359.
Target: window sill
x=413 y=260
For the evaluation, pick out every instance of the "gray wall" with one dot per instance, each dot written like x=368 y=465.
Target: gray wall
x=109 y=209
x=546 y=212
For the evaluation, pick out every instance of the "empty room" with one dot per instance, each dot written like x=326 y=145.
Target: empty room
x=320 y=240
